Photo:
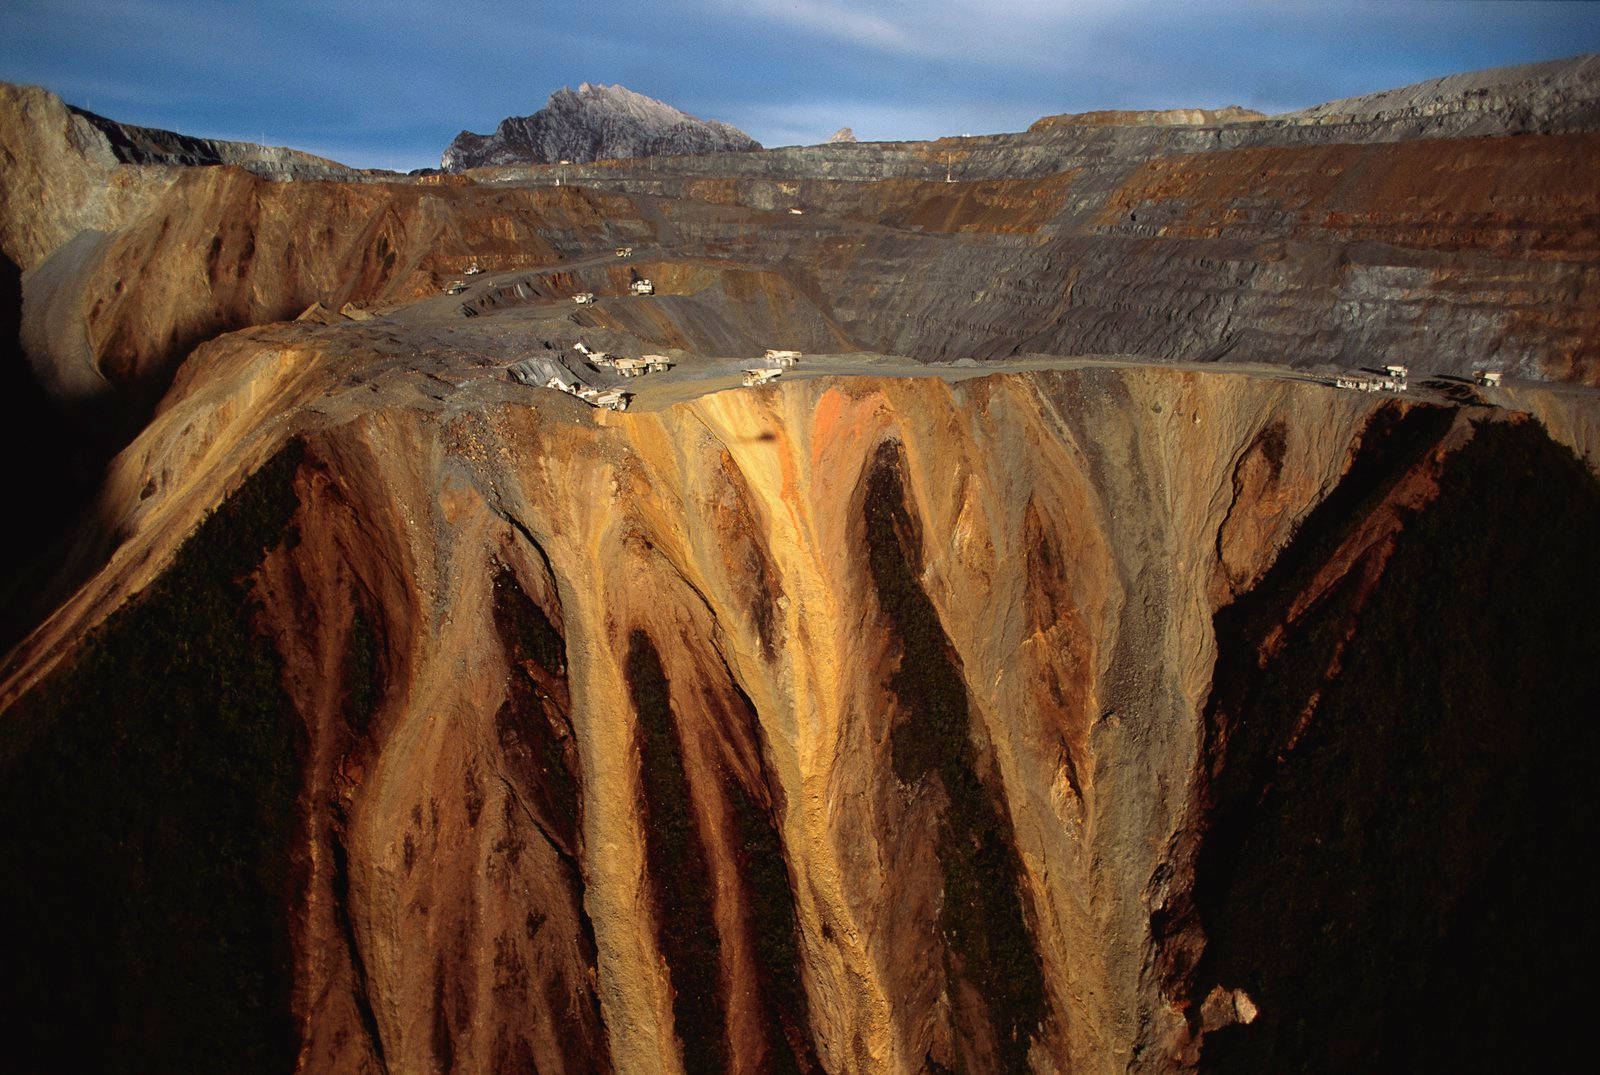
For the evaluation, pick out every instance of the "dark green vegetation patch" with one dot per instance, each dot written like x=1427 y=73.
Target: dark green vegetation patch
x=532 y=726
x=988 y=942
x=363 y=673
x=147 y=811
x=680 y=876
x=774 y=925
x=534 y=729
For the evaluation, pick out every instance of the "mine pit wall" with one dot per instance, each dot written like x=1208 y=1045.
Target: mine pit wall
x=474 y=761
x=1306 y=250
x=1457 y=256
x=220 y=249
x=1463 y=251
x=1415 y=644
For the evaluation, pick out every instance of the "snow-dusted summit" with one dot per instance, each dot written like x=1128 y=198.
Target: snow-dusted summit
x=595 y=123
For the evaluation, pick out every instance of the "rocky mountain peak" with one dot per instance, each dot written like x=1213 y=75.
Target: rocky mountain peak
x=597 y=122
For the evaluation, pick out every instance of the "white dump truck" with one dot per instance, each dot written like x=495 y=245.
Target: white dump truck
x=583 y=298
x=1490 y=378
x=543 y=372
x=753 y=377
x=657 y=363
x=624 y=251
x=1356 y=382
x=1362 y=383
x=632 y=367
x=612 y=399
x=642 y=287
x=456 y=288
x=782 y=358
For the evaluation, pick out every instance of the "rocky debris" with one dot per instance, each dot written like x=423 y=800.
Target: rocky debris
x=595 y=123
x=1227 y=1007
x=319 y=314
x=843 y=134
x=1555 y=95
x=1168 y=117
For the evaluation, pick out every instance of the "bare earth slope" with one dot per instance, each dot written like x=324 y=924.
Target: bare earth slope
x=1053 y=671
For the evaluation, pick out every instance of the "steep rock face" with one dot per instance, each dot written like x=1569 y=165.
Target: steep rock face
x=150 y=145
x=852 y=724
x=595 y=123
x=894 y=716
x=224 y=249
x=1168 y=117
x=66 y=170
x=60 y=176
x=1314 y=255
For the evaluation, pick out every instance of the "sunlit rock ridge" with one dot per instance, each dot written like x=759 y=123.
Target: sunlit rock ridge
x=595 y=123
x=1054 y=670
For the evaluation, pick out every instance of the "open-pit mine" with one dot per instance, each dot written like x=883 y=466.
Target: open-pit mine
x=1121 y=596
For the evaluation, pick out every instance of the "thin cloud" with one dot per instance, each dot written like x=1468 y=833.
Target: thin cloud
x=393 y=89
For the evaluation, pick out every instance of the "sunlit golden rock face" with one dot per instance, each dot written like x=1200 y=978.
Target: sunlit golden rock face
x=1040 y=711
x=849 y=723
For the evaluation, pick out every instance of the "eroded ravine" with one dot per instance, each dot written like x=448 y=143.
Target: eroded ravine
x=852 y=724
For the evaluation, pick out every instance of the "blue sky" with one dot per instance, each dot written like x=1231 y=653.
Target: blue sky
x=389 y=84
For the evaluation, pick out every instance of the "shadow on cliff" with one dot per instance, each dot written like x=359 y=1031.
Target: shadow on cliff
x=147 y=809
x=1403 y=778
x=55 y=464
x=985 y=921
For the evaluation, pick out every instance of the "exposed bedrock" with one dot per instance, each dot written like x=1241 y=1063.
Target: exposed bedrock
x=595 y=123
x=1447 y=256
x=1038 y=721
x=1344 y=237
x=1152 y=712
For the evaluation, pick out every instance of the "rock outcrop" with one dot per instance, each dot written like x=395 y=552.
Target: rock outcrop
x=843 y=134
x=850 y=724
x=595 y=123
x=1053 y=671
x=61 y=177
x=1552 y=96
x=1168 y=117
x=150 y=145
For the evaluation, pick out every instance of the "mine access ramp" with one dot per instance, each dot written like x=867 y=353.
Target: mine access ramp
x=542 y=371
